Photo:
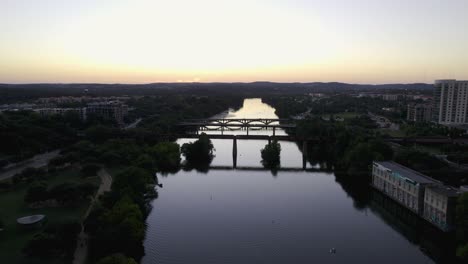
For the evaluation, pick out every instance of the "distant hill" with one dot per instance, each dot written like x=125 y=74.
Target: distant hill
x=9 y=92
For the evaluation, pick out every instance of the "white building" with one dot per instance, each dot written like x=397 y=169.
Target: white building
x=402 y=184
x=451 y=99
x=440 y=206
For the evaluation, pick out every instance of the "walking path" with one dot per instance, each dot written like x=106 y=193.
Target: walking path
x=38 y=161
x=81 y=252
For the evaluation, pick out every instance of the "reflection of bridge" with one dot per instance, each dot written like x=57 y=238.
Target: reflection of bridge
x=248 y=168
x=239 y=124
x=258 y=137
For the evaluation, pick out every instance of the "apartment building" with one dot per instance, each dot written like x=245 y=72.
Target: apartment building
x=440 y=206
x=402 y=184
x=420 y=112
x=451 y=99
x=62 y=111
x=113 y=110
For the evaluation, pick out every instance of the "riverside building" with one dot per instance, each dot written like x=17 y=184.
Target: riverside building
x=402 y=184
x=419 y=193
x=440 y=205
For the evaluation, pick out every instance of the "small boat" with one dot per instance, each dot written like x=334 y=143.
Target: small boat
x=333 y=250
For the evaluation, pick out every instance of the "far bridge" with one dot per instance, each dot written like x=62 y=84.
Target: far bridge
x=221 y=124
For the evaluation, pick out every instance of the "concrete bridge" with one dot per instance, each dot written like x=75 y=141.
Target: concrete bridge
x=215 y=124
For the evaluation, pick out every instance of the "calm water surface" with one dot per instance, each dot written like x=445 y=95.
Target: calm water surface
x=246 y=216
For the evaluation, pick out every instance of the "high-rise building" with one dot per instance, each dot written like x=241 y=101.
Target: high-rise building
x=451 y=101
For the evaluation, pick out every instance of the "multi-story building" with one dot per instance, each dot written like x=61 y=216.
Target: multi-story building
x=419 y=112
x=403 y=184
x=113 y=110
x=440 y=204
x=61 y=111
x=421 y=194
x=451 y=100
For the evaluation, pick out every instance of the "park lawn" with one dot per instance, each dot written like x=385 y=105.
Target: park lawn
x=392 y=133
x=344 y=115
x=12 y=206
x=429 y=149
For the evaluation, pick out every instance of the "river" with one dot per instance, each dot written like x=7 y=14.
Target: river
x=256 y=216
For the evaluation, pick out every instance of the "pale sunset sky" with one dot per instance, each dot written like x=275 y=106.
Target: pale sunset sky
x=143 y=41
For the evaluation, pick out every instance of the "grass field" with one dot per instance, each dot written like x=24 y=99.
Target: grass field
x=12 y=206
x=344 y=115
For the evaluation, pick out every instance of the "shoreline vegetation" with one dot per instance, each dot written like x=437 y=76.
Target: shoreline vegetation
x=116 y=225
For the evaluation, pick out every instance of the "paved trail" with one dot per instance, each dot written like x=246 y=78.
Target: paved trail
x=81 y=252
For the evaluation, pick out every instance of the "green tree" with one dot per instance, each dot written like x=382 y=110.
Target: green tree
x=271 y=155
x=199 y=154
x=167 y=156
x=462 y=252
x=36 y=192
x=462 y=217
x=116 y=259
x=90 y=169
x=144 y=161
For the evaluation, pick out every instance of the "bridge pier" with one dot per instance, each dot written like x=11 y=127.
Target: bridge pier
x=234 y=152
x=304 y=154
x=269 y=140
x=274 y=130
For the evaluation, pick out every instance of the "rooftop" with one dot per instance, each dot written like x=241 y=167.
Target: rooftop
x=29 y=220
x=446 y=190
x=407 y=172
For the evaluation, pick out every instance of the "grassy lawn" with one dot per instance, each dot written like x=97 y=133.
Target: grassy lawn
x=392 y=133
x=344 y=115
x=12 y=206
x=429 y=149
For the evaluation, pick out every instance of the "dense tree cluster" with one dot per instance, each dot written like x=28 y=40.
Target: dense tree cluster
x=55 y=241
x=462 y=226
x=24 y=134
x=198 y=154
x=29 y=175
x=64 y=194
x=421 y=129
x=116 y=259
x=118 y=224
x=271 y=155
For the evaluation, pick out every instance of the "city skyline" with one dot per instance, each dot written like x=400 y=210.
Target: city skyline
x=146 y=41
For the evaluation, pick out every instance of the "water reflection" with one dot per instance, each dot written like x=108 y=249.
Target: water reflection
x=245 y=215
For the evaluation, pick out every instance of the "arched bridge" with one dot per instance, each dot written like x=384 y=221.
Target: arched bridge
x=221 y=124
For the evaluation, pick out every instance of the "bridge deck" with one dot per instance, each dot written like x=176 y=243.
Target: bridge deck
x=207 y=124
x=253 y=137
x=240 y=123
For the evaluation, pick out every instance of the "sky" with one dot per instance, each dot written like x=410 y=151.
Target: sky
x=145 y=41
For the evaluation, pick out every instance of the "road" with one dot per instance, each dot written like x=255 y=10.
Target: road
x=134 y=124
x=81 y=252
x=38 y=161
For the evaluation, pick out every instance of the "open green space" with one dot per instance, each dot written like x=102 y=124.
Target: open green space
x=12 y=206
x=344 y=115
